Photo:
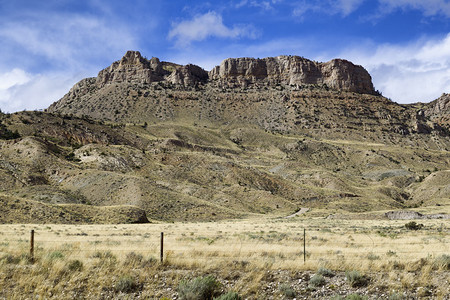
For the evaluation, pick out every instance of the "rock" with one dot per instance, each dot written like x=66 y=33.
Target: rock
x=439 y=111
x=289 y=70
x=188 y=75
x=403 y=215
x=343 y=75
x=439 y=106
x=133 y=68
x=294 y=70
x=278 y=94
x=411 y=215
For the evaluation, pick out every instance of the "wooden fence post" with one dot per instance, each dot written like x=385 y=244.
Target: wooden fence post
x=304 y=245
x=32 y=246
x=162 y=246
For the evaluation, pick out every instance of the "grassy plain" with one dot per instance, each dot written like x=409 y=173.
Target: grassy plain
x=93 y=261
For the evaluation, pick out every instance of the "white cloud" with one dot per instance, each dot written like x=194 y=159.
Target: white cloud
x=65 y=39
x=331 y=7
x=63 y=47
x=207 y=25
x=429 y=7
x=12 y=78
x=418 y=71
x=29 y=92
x=266 y=5
x=346 y=7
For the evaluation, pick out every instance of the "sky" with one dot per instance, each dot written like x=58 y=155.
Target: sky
x=48 y=46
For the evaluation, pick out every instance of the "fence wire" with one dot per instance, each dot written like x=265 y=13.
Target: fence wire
x=219 y=246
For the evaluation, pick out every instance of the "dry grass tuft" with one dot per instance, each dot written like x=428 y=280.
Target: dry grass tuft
x=83 y=261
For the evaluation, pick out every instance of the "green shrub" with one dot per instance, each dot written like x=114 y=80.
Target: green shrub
x=104 y=255
x=133 y=258
x=349 y=297
x=316 y=281
x=442 y=262
x=71 y=157
x=75 y=265
x=6 y=134
x=355 y=279
x=373 y=256
x=395 y=296
x=355 y=297
x=55 y=255
x=200 y=288
x=11 y=259
x=325 y=272
x=287 y=291
x=126 y=284
x=229 y=296
x=413 y=226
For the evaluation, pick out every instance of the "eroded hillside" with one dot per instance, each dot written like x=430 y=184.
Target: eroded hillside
x=186 y=170
x=155 y=140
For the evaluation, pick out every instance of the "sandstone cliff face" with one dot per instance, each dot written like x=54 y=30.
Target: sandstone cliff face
x=188 y=75
x=133 y=68
x=344 y=75
x=288 y=70
x=294 y=70
x=284 y=93
x=439 y=110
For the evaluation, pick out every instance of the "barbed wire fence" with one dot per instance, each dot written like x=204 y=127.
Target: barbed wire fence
x=301 y=246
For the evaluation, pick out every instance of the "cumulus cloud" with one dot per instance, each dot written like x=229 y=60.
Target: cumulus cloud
x=29 y=92
x=419 y=71
x=207 y=25
x=12 y=78
x=64 y=39
x=62 y=47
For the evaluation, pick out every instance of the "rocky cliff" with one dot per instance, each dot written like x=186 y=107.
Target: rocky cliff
x=287 y=70
x=252 y=136
x=439 y=110
x=133 y=68
x=283 y=93
x=294 y=70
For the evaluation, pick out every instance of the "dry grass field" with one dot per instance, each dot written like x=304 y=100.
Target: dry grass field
x=256 y=258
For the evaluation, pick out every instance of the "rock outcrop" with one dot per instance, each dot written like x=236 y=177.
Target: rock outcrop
x=283 y=93
x=337 y=74
x=439 y=110
x=294 y=70
x=133 y=68
x=188 y=75
x=412 y=215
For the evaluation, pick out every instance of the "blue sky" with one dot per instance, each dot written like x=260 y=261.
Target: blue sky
x=47 y=46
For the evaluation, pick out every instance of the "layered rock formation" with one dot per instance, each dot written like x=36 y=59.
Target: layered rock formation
x=252 y=136
x=133 y=68
x=439 y=110
x=294 y=70
x=284 y=94
x=287 y=70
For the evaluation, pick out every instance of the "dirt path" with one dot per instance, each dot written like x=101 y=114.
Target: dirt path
x=301 y=211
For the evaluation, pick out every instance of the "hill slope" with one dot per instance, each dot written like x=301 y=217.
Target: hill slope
x=251 y=137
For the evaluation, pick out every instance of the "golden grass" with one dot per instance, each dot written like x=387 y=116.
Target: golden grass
x=248 y=246
x=277 y=243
